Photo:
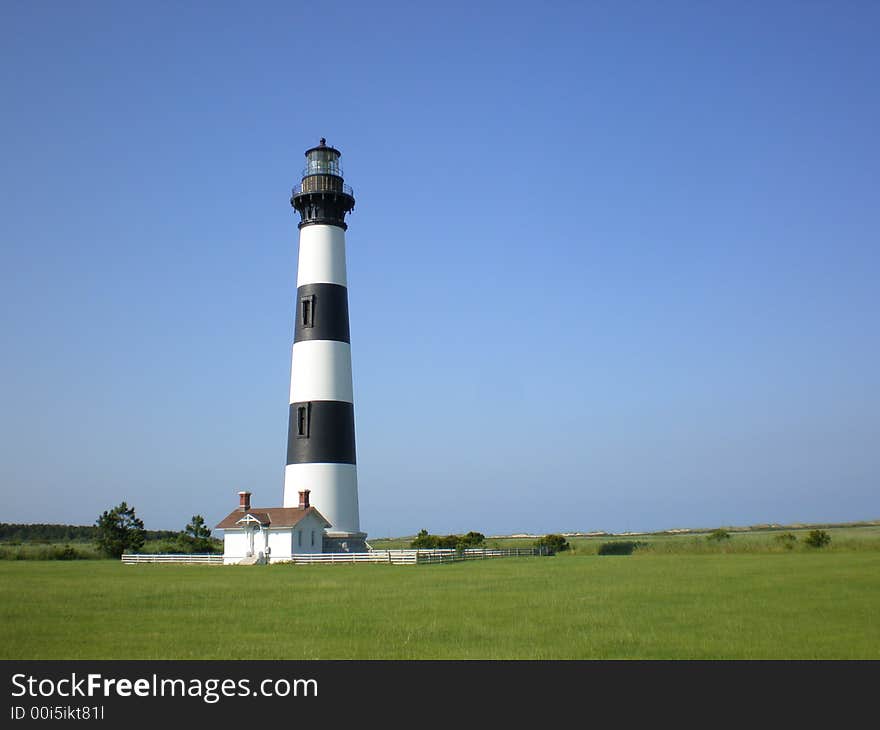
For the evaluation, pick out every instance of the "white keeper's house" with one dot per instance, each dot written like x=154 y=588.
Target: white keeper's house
x=271 y=534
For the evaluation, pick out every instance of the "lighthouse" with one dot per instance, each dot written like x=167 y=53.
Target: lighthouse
x=320 y=438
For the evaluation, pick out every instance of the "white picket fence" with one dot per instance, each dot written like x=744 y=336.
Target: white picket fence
x=134 y=559
x=410 y=557
x=393 y=557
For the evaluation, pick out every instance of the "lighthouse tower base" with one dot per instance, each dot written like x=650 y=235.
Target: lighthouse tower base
x=355 y=542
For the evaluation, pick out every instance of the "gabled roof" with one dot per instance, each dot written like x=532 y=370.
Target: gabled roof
x=268 y=517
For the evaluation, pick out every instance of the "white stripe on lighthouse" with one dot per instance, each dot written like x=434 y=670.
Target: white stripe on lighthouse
x=321 y=370
x=334 y=492
x=321 y=256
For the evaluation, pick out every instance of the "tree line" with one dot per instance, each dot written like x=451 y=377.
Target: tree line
x=116 y=531
x=14 y=532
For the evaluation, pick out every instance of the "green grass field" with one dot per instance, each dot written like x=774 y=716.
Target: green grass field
x=652 y=605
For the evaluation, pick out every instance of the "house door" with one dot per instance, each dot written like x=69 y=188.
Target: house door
x=250 y=542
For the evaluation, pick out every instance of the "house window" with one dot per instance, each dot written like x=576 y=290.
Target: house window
x=308 y=311
x=303 y=420
x=313 y=538
x=299 y=538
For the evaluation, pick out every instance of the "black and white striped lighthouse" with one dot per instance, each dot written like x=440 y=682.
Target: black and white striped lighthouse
x=320 y=442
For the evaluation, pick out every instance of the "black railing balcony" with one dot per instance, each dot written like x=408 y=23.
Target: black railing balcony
x=323 y=184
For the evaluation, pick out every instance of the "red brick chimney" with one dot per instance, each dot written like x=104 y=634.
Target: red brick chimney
x=304 y=499
x=244 y=501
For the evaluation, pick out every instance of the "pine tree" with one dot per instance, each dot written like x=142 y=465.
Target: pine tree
x=196 y=536
x=119 y=529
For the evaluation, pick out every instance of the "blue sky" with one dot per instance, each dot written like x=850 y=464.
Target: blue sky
x=613 y=265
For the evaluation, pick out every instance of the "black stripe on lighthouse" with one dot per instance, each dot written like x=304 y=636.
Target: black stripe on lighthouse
x=322 y=313
x=321 y=432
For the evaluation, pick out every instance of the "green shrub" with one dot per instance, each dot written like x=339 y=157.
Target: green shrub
x=622 y=547
x=552 y=544
x=64 y=553
x=786 y=540
x=471 y=540
x=719 y=535
x=424 y=540
x=449 y=542
x=817 y=538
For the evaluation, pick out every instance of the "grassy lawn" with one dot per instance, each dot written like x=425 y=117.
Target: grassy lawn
x=787 y=605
